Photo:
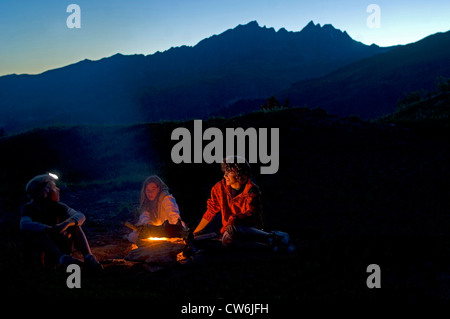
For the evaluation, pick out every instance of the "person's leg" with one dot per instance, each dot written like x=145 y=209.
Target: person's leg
x=253 y=234
x=250 y=236
x=80 y=240
x=82 y=244
x=45 y=243
x=57 y=248
x=245 y=237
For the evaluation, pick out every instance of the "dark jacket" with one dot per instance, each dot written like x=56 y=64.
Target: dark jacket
x=37 y=216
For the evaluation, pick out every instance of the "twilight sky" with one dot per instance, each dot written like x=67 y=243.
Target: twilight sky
x=34 y=36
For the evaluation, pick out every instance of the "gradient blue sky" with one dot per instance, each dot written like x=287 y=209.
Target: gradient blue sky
x=34 y=36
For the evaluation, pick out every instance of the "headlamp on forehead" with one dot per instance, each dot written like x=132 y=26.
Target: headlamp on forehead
x=54 y=176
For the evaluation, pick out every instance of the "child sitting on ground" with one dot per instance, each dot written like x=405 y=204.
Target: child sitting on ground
x=53 y=228
x=238 y=199
x=157 y=206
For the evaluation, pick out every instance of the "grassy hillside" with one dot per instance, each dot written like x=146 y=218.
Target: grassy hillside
x=428 y=110
x=349 y=192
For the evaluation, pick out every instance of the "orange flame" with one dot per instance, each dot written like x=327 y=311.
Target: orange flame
x=153 y=239
x=157 y=238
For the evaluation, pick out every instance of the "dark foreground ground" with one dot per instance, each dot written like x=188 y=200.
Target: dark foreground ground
x=349 y=193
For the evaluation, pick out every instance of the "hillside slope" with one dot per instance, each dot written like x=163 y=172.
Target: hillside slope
x=372 y=87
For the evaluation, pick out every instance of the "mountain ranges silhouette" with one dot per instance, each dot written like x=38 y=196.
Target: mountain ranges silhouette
x=247 y=63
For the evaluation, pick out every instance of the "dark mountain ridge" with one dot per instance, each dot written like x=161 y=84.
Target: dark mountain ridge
x=248 y=61
x=372 y=86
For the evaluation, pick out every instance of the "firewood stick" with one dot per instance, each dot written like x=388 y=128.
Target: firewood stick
x=131 y=226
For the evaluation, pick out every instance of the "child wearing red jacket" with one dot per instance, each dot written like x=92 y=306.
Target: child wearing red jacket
x=238 y=199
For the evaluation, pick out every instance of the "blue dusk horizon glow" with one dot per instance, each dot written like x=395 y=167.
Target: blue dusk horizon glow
x=34 y=36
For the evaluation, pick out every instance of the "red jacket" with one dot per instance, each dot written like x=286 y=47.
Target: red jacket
x=244 y=209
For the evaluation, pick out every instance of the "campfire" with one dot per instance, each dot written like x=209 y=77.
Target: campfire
x=160 y=245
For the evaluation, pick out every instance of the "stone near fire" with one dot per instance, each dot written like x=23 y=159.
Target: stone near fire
x=158 y=252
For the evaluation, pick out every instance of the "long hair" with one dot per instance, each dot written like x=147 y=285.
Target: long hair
x=148 y=205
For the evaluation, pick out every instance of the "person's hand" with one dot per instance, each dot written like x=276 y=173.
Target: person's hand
x=196 y=233
x=61 y=227
x=232 y=220
x=200 y=226
x=133 y=237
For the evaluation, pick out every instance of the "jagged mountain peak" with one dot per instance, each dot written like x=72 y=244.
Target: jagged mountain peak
x=247 y=61
x=311 y=25
x=252 y=35
x=251 y=24
x=327 y=29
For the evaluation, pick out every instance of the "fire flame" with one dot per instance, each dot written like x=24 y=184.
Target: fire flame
x=175 y=239
x=157 y=238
